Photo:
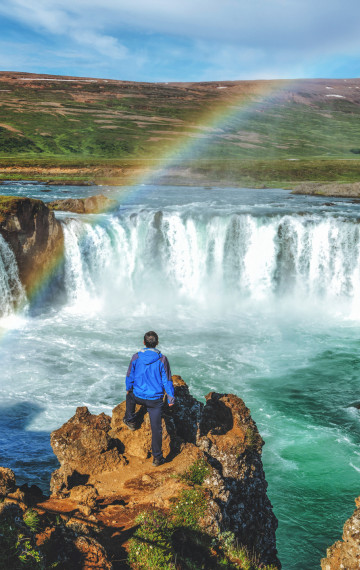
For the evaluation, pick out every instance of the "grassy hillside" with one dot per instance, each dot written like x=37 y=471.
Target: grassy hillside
x=104 y=130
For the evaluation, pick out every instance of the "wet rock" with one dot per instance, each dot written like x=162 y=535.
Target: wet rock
x=91 y=205
x=7 y=481
x=345 y=554
x=34 y=235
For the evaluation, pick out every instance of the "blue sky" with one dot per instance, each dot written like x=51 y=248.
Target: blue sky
x=181 y=40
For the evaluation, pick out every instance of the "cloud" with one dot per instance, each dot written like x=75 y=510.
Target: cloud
x=189 y=39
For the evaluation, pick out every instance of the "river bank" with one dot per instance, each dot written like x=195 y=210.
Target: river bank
x=305 y=175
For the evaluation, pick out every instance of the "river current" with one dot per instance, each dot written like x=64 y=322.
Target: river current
x=255 y=292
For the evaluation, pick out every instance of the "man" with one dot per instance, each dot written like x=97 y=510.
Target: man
x=148 y=379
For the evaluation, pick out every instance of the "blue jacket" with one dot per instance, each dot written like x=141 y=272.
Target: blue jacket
x=149 y=375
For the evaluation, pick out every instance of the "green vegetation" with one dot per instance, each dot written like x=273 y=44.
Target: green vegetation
x=239 y=135
x=196 y=473
x=151 y=546
x=189 y=507
x=175 y=539
x=17 y=549
x=32 y=520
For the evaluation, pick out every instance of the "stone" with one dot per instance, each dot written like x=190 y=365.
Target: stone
x=92 y=553
x=84 y=495
x=7 y=481
x=83 y=447
x=91 y=205
x=237 y=485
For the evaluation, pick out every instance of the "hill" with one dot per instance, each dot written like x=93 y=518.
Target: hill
x=66 y=128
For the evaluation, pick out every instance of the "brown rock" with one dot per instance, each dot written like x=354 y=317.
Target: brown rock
x=237 y=485
x=84 y=495
x=91 y=205
x=84 y=447
x=221 y=434
x=92 y=553
x=136 y=443
x=346 y=554
x=35 y=237
x=7 y=481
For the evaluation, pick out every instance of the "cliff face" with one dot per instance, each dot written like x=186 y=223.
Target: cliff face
x=103 y=463
x=345 y=554
x=34 y=235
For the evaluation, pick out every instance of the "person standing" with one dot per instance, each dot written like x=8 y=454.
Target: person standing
x=148 y=379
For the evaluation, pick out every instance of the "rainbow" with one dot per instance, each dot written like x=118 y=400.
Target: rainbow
x=235 y=106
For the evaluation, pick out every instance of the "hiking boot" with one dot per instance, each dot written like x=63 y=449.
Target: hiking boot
x=130 y=425
x=158 y=461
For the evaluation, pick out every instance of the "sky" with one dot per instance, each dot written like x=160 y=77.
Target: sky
x=182 y=40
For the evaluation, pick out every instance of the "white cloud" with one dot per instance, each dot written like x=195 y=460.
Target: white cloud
x=233 y=38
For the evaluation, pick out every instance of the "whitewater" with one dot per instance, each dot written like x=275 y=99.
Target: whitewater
x=255 y=292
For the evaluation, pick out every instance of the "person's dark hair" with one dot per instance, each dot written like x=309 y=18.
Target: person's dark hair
x=151 y=339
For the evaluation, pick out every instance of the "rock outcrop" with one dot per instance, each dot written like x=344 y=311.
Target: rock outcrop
x=103 y=463
x=91 y=205
x=35 y=237
x=345 y=554
x=41 y=539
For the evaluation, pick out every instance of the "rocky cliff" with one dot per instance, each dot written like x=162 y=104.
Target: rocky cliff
x=345 y=554
x=206 y=504
x=34 y=235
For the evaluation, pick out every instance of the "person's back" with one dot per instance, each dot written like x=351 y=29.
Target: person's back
x=147 y=380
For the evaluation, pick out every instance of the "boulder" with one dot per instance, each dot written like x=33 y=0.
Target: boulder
x=93 y=554
x=85 y=496
x=83 y=447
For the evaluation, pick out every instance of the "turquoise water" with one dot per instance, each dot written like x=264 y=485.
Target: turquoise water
x=252 y=292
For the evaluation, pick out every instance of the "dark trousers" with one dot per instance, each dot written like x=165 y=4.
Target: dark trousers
x=154 y=407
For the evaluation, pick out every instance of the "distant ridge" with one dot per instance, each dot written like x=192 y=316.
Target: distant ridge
x=58 y=120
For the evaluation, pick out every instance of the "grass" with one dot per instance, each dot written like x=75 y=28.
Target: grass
x=295 y=135
x=175 y=539
x=196 y=473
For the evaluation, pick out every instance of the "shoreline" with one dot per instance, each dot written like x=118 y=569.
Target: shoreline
x=324 y=189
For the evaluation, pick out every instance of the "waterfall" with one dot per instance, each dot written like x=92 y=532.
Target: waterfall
x=11 y=291
x=184 y=254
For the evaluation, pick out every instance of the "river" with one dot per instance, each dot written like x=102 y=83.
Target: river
x=255 y=292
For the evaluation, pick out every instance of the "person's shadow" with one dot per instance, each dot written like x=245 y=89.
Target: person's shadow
x=27 y=452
